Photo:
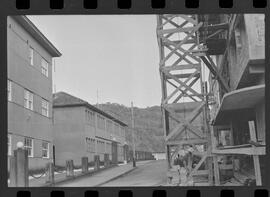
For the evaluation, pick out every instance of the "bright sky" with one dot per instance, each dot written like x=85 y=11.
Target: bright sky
x=116 y=55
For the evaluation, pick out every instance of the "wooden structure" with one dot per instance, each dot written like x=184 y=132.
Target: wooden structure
x=231 y=48
x=182 y=85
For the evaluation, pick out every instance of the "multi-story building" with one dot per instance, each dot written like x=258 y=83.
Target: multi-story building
x=29 y=74
x=238 y=113
x=83 y=130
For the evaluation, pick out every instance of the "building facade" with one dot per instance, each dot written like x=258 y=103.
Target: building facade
x=83 y=130
x=30 y=90
x=238 y=114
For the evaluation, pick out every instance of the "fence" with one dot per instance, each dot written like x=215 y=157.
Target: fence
x=19 y=170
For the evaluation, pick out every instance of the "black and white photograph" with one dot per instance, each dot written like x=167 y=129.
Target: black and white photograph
x=136 y=100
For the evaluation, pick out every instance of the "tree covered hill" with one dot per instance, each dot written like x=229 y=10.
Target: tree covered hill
x=148 y=125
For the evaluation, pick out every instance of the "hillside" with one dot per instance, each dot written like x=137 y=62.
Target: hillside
x=148 y=125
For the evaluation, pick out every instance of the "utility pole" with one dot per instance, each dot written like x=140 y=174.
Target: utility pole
x=97 y=99
x=133 y=130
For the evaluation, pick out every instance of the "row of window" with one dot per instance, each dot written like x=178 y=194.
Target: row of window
x=102 y=146
x=90 y=144
x=29 y=146
x=44 y=63
x=103 y=124
x=29 y=100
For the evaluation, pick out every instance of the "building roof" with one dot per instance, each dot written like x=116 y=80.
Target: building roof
x=34 y=31
x=63 y=99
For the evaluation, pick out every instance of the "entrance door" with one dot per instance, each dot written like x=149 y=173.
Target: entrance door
x=114 y=153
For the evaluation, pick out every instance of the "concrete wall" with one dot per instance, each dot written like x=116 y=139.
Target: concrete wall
x=23 y=122
x=251 y=48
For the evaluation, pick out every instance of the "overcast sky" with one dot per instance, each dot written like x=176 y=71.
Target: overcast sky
x=116 y=55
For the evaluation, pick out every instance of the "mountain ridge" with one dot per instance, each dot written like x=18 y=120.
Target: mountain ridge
x=148 y=125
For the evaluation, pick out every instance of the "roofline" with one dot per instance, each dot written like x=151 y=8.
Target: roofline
x=34 y=31
x=92 y=108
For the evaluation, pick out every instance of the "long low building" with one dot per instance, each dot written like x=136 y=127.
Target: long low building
x=83 y=130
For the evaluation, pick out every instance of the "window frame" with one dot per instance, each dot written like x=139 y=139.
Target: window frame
x=45 y=149
x=116 y=129
x=101 y=120
x=27 y=147
x=122 y=131
x=44 y=70
x=46 y=108
x=28 y=99
x=109 y=126
x=90 y=117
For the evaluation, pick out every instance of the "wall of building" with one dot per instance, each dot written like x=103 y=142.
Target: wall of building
x=69 y=135
x=23 y=122
x=247 y=47
x=19 y=67
x=76 y=135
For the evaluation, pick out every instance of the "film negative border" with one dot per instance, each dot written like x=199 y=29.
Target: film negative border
x=132 y=6
x=127 y=4
x=32 y=7
x=151 y=192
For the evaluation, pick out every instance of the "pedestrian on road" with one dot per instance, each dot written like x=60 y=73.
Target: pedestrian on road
x=181 y=167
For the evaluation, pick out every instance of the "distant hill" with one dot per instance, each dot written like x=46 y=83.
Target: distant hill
x=148 y=125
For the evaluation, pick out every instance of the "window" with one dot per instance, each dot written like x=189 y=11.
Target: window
x=31 y=56
x=109 y=126
x=90 y=143
x=28 y=99
x=116 y=129
x=44 y=67
x=45 y=149
x=45 y=108
x=122 y=129
x=9 y=91
x=28 y=145
x=90 y=117
x=101 y=122
x=9 y=144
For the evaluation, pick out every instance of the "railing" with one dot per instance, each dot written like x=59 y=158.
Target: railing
x=20 y=173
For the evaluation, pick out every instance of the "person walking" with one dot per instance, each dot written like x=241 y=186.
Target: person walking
x=181 y=167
